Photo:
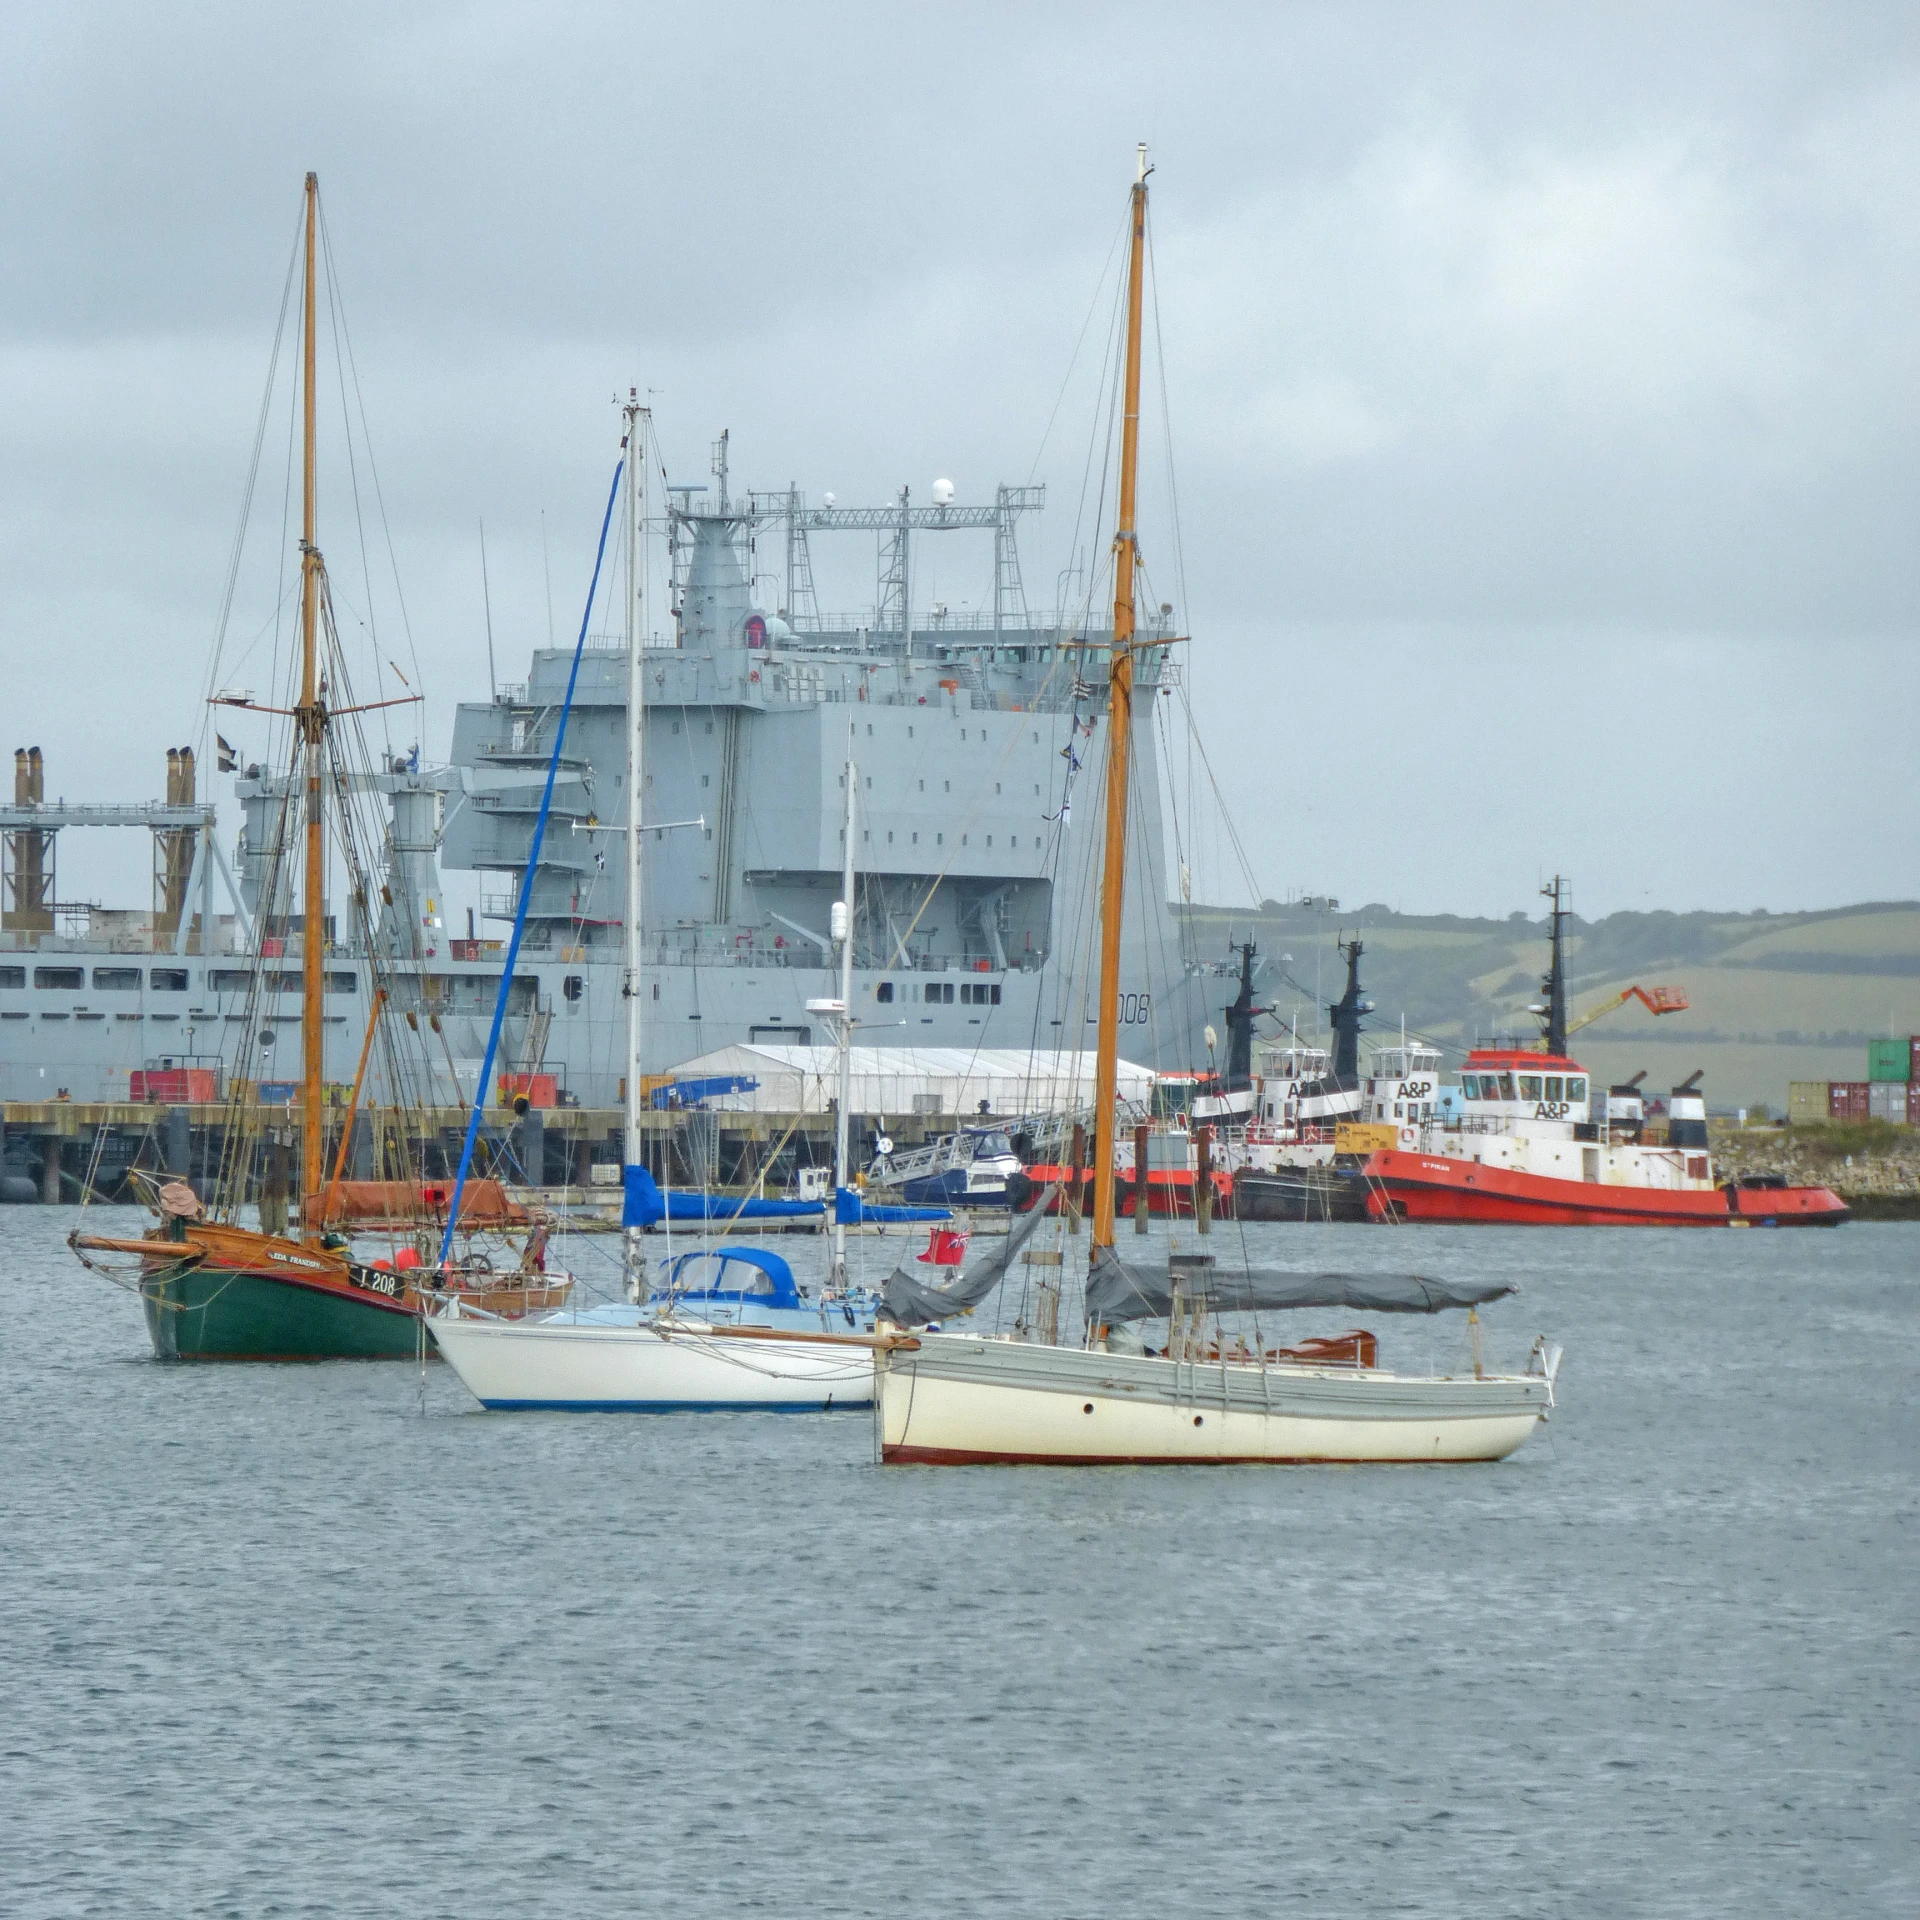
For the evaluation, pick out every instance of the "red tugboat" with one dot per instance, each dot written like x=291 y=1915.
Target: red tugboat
x=1521 y=1147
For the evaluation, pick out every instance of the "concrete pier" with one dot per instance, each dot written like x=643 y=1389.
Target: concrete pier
x=76 y=1149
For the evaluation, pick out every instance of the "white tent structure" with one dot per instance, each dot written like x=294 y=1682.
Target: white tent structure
x=899 y=1080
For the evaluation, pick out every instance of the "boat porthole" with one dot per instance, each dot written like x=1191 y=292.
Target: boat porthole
x=1088 y=1408
x=1197 y=1421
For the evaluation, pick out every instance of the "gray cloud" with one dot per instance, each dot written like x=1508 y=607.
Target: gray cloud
x=1540 y=379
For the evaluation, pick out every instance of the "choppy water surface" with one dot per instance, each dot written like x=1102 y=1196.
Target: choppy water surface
x=319 y=1641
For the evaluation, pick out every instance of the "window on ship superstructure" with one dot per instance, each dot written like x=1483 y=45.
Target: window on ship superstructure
x=1576 y=1089
x=884 y=992
x=1506 y=1086
x=1530 y=1086
x=1556 y=1087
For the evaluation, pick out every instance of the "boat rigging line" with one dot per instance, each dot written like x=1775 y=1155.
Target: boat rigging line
x=528 y=876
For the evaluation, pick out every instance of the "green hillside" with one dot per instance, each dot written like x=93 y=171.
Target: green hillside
x=1775 y=996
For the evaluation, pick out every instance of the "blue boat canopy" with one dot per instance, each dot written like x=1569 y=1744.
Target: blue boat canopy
x=734 y=1273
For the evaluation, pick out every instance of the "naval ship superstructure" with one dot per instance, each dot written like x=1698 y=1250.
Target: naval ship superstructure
x=977 y=738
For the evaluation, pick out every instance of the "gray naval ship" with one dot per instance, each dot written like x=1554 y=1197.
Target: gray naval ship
x=978 y=738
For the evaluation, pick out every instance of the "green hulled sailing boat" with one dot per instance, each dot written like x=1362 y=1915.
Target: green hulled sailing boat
x=214 y=1288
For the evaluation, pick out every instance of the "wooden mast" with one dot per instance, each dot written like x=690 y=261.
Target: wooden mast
x=1119 y=739
x=311 y=724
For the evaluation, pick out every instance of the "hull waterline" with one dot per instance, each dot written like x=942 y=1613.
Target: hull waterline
x=203 y=1313
x=557 y=1367
x=957 y=1400
x=1438 y=1188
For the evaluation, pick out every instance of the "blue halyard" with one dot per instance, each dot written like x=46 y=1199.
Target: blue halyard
x=526 y=880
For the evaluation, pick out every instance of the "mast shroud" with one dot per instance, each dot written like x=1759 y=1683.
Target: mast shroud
x=1119 y=740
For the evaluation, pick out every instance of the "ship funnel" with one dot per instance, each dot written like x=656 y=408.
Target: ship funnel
x=1687 y=1114
x=26 y=888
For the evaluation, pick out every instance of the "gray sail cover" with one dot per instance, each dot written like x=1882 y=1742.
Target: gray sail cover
x=1120 y=1290
x=910 y=1302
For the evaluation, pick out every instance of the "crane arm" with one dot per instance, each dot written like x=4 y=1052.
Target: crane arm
x=1656 y=1000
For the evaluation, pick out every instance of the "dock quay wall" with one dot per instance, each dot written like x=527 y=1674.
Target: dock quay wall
x=85 y=1150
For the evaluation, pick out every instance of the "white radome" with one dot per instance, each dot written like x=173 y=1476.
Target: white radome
x=943 y=493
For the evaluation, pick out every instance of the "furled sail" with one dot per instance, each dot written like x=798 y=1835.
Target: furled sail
x=910 y=1302
x=1120 y=1290
x=646 y=1205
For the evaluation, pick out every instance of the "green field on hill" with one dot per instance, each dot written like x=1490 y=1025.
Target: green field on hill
x=1775 y=996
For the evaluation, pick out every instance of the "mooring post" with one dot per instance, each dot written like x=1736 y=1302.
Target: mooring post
x=50 y=1170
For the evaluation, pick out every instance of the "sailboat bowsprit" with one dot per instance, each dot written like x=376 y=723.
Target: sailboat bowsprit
x=948 y=1399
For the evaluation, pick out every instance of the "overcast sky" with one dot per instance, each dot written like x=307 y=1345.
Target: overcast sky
x=1541 y=379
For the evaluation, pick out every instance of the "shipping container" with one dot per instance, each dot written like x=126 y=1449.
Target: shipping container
x=1806 y=1101
x=174 y=1086
x=1847 y=1099
x=279 y=1093
x=1913 y=1058
x=1890 y=1060
x=540 y=1089
x=1887 y=1100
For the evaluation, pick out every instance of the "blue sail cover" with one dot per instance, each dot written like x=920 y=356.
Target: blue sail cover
x=850 y=1209
x=646 y=1206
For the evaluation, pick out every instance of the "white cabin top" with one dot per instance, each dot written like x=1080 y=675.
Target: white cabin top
x=1401 y=1084
x=1508 y=1090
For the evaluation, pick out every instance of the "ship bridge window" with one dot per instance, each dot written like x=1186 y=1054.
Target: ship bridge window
x=66 y=979
x=228 y=980
x=116 y=979
x=1530 y=1086
x=1506 y=1086
x=1556 y=1087
x=1576 y=1089
x=939 y=993
x=13 y=976
x=168 y=979
x=884 y=993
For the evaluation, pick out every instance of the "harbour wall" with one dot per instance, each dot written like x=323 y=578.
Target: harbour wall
x=62 y=1152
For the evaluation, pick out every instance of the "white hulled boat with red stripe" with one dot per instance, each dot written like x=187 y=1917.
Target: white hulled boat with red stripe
x=1527 y=1144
